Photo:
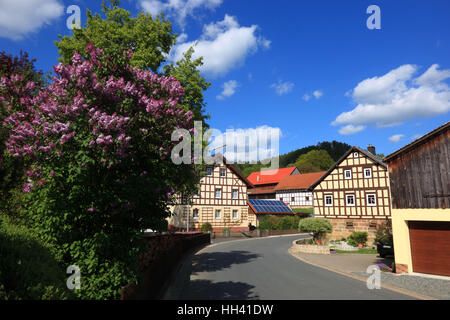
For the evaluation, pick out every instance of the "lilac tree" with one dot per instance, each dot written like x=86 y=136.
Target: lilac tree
x=97 y=144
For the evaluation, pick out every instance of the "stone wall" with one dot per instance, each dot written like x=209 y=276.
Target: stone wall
x=342 y=228
x=309 y=248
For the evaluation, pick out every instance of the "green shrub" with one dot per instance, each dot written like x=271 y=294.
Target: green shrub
x=28 y=268
x=207 y=227
x=358 y=237
x=224 y=230
x=352 y=243
x=384 y=233
x=317 y=226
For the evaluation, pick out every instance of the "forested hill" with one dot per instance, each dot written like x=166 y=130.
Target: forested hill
x=335 y=149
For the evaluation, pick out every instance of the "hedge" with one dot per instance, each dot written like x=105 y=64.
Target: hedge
x=28 y=269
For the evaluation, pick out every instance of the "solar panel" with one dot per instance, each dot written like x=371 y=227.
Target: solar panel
x=269 y=206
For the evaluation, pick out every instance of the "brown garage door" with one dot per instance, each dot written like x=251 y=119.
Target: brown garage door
x=430 y=247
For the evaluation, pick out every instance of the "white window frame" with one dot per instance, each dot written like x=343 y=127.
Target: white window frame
x=215 y=193
x=325 y=200
x=368 y=176
x=215 y=214
x=210 y=173
x=237 y=214
x=193 y=214
x=237 y=194
x=225 y=173
x=367 y=199
x=347 y=196
x=345 y=174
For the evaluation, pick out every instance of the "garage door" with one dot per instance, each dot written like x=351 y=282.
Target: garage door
x=430 y=247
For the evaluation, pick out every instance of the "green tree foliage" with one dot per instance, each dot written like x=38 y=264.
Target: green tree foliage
x=317 y=226
x=313 y=161
x=335 y=149
x=149 y=38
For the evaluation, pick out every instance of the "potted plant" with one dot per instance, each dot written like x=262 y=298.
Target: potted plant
x=226 y=232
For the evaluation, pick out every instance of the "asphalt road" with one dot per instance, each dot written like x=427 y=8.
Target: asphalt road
x=263 y=269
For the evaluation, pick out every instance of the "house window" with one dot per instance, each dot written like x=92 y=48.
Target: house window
x=307 y=198
x=218 y=194
x=328 y=200
x=235 y=214
x=223 y=173
x=235 y=194
x=367 y=173
x=281 y=199
x=195 y=214
x=196 y=194
x=209 y=171
x=217 y=214
x=371 y=199
x=355 y=154
x=292 y=199
x=350 y=200
x=347 y=174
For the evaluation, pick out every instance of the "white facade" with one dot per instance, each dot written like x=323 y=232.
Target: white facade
x=295 y=198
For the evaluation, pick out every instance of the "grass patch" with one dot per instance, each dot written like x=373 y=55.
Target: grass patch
x=360 y=251
x=303 y=210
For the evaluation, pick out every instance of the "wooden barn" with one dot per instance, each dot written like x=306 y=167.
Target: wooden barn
x=420 y=189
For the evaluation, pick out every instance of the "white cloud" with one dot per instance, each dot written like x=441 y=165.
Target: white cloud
x=229 y=89
x=396 y=138
x=397 y=96
x=249 y=144
x=306 y=97
x=317 y=94
x=351 y=129
x=178 y=9
x=224 y=45
x=19 y=18
x=282 y=87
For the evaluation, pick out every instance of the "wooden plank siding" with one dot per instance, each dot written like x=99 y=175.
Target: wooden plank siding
x=420 y=176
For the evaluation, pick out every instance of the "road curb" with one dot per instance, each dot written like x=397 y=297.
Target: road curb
x=258 y=238
x=360 y=278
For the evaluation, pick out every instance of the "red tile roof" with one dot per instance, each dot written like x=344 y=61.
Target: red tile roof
x=299 y=181
x=269 y=176
x=261 y=190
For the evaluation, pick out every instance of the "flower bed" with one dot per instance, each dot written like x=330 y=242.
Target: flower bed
x=304 y=246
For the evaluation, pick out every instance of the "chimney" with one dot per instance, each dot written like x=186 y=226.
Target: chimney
x=371 y=149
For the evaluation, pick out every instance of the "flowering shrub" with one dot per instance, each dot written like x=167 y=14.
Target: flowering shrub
x=96 y=143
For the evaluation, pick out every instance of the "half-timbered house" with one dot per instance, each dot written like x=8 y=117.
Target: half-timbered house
x=354 y=194
x=221 y=200
x=293 y=190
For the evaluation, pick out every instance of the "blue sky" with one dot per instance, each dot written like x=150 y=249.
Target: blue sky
x=310 y=69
